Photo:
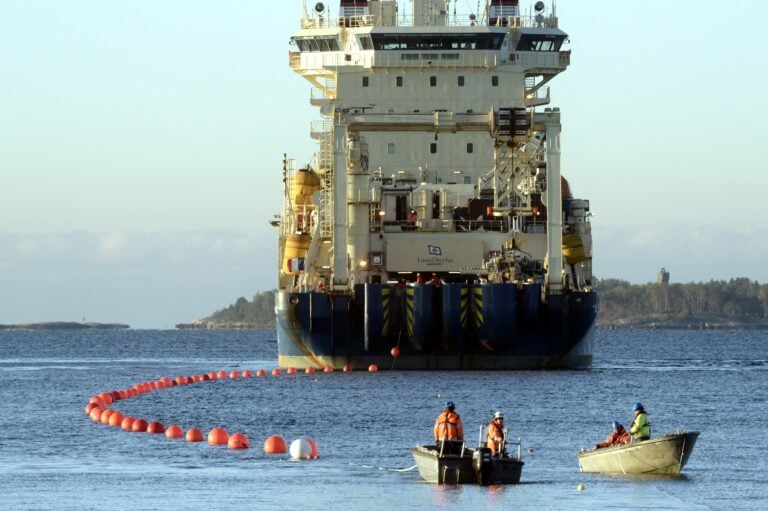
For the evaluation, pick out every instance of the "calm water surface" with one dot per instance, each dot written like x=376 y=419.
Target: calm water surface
x=53 y=457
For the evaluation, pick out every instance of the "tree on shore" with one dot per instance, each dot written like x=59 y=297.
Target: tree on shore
x=737 y=299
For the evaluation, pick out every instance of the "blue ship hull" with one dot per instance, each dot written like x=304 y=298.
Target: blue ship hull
x=453 y=326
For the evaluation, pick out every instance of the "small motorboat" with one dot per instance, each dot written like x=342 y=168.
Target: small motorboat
x=455 y=463
x=665 y=455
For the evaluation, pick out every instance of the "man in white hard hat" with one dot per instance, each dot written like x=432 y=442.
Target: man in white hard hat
x=496 y=434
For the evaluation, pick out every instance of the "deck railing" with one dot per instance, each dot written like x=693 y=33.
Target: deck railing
x=460 y=20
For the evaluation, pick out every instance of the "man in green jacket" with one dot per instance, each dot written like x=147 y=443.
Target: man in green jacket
x=641 y=428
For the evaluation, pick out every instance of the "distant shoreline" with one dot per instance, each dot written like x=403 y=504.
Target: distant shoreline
x=65 y=325
x=624 y=324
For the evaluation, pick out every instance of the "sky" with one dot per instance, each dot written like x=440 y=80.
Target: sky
x=141 y=145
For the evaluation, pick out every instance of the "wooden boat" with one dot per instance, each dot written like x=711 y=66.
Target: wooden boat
x=459 y=464
x=665 y=455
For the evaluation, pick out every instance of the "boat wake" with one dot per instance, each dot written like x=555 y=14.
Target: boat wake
x=389 y=469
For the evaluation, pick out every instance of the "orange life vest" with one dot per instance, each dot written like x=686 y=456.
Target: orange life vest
x=618 y=437
x=448 y=426
x=495 y=437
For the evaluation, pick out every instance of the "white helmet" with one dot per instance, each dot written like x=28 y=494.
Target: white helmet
x=498 y=415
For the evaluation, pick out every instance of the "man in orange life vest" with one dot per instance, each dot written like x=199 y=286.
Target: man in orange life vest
x=495 y=440
x=448 y=424
x=619 y=436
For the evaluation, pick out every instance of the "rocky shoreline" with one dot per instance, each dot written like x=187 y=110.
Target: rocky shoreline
x=64 y=325
x=216 y=325
x=637 y=323
x=705 y=322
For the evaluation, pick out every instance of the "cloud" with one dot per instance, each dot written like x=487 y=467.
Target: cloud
x=144 y=279
x=645 y=238
x=692 y=253
x=112 y=245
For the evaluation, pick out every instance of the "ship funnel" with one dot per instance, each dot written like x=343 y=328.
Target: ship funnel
x=500 y=12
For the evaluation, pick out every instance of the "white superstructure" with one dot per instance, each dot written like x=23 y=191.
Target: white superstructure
x=437 y=153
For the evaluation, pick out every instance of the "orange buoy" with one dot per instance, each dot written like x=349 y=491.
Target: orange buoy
x=194 y=435
x=105 y=415
x=221 y=374
x=106 y=397
x=276 y=371
x=155 y=427
x=95 y=414
x=234 y=374
x=372 y=368
x=89 y=407
x=238 y=441
x=197 y=378
x=139 y=426
x=247 y=373
x=218 y=436
x=212 y=376
x=313 y=445
x=116 y=419
x=123 y=394
x=181 y=380
x=347 y=368
x=395 y=352
x=127 y=423
x=166 y=381
x=274 y=445
x=291 y=370
x=96 y=399
x=261 y=372
x=309 y=370
x=328 y=369
x=174 y=431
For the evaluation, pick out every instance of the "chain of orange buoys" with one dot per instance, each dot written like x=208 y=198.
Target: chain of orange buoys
x=98 y=410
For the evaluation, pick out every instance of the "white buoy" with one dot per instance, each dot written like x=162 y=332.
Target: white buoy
x=580 y=487
x=300 y=449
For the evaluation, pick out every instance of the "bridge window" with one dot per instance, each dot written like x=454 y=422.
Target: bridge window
x=461 y=81
x=399 y=81
x=540 y=42
x=495 y=81
x=433 y=148
x=432 y=81
x=319 y=43
x=365 y=42
x=437 y=41
x=365 y=81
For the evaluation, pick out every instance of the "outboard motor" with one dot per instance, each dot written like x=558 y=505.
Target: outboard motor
x=482 y=464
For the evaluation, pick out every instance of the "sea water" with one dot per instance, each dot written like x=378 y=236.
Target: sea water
x=52 y=456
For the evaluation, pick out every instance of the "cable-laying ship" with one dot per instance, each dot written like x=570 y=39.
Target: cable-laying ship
x=433 y=228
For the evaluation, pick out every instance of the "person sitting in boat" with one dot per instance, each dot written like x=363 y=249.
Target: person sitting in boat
x=618 y=436
x=448 y=427
x=640 y=428
x=496 y=441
